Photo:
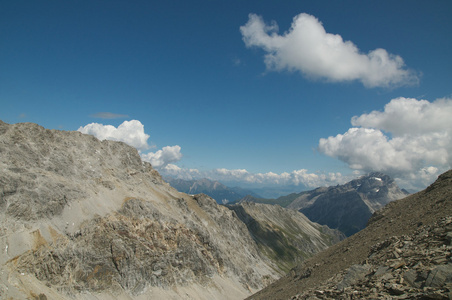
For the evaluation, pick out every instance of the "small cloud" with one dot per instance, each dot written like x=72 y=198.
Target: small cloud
x=309 y=49
x=162 y=158
x=108 y=115
x=237 y=62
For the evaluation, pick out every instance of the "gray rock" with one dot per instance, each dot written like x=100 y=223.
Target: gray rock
x=381 y=270
x=412 y=278
x=354 y=274
x=440 y=276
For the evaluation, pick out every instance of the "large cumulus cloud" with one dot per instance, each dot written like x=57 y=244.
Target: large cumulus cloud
x=308 y=48
x=410 y=140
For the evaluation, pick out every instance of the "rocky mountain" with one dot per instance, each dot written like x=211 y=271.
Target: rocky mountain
x=345 y=207
x=375 y=189
x=218 y=191
x=87 y=219
x=285 y=236
x=348 y=207
x=405 y=252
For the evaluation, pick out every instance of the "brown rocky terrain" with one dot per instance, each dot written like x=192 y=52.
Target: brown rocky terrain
x=403 y=253
x=87 y=219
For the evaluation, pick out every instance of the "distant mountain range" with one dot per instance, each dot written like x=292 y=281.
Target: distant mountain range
x=216 y=190
x=345 y=207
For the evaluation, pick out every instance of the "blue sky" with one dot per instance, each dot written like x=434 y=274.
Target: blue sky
x=261 y=92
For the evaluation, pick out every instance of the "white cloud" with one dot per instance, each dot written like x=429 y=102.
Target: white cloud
x=129 y=132
x=162 y=158
x=181 y=173
x=308 y=48
x=410 y=140
x=409 y=116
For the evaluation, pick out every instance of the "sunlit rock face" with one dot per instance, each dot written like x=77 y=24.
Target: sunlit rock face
x=86 y=218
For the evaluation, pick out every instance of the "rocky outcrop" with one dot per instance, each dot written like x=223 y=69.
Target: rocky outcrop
x=404 y=253
x=87 y=219
x=138 y=247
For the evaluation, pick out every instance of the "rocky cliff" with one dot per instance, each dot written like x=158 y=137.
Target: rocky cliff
x=87 y=219
x=404 y=253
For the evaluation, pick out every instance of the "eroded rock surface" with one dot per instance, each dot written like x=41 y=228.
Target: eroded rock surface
x=87 y=219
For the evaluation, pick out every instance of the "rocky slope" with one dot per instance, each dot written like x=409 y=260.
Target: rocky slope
x=285 y=236
x=88 y=219
x=404 y=253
